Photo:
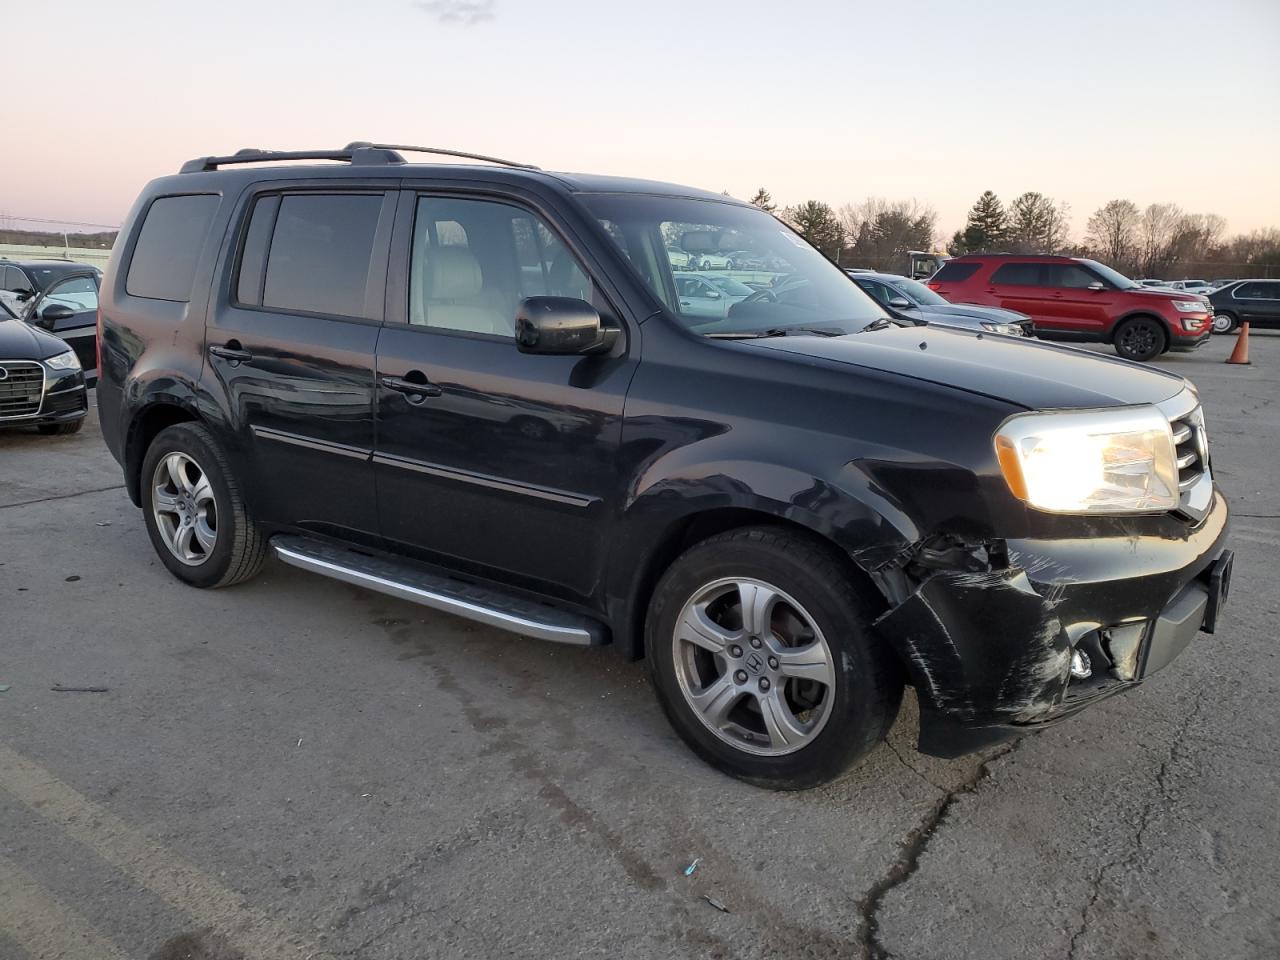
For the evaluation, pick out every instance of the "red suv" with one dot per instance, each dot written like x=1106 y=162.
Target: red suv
x=1069 y=298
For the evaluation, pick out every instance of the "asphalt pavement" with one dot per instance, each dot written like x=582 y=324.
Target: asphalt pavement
x=296 y=768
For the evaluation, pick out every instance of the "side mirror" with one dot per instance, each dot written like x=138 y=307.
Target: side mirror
x=1097 y=285
x=900 y=303
x=713 y=295
x=560 y=326
x=55 y=312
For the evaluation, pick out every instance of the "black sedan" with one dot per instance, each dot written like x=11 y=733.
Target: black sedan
x=41 y=380
x=907 y=299
x=1256 y=302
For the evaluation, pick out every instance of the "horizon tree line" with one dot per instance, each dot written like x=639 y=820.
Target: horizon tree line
x=1159 y=240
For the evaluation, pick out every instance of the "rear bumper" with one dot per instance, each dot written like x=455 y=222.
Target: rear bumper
x=990 y=653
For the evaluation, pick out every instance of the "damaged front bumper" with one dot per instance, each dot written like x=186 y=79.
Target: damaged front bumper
x=990 y=646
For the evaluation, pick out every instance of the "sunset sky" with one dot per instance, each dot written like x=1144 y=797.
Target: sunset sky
x=813 y=99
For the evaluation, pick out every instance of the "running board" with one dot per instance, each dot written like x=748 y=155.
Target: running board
x=482 y=604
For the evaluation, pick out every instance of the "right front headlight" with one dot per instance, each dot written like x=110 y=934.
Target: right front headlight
x=1090 y=461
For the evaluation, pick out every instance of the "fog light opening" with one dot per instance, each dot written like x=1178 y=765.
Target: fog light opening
x=1081 y=666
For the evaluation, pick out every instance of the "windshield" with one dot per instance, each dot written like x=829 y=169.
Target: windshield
x=769 y=278
x=1113 y=277
x=918 y=292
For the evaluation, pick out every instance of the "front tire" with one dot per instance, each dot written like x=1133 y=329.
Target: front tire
x=1141 y=339
x=762 y=655
x=195 y=514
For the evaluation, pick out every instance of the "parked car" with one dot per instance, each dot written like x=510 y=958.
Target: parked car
x=1254 y=301
x=708 y=297
x=1191 y=286
x=41 y=383
x=1159 y=284
x=679 y=259
x=68 y=308
x=1074 y=299
x=791 y=512
x=22 y=280
x=911 y=300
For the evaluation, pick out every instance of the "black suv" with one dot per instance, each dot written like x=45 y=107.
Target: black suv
x=472 y=386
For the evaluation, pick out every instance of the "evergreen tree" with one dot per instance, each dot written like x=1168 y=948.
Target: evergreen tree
x=987 y=226
x=817 y=223
x=763 y=200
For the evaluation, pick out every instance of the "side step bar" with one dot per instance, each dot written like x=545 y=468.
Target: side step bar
x=482 y=604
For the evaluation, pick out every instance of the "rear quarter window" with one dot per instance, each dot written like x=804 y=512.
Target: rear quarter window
x=954 y=273
x=169 y=247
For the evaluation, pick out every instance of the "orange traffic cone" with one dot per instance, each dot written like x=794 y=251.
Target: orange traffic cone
x=1241 y=353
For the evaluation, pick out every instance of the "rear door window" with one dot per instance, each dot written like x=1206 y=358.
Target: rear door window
x=169 y=247
x=320 y=254
x=1018 y=275
x=1258 y=291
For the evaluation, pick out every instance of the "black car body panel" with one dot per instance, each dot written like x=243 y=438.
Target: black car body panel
x=577 y=479
x=57 y=395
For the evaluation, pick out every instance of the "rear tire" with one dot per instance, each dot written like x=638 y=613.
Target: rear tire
x=61 y=429
x=1141 y=339
x=1224 y=322
x=188 y=493
x=801 y=687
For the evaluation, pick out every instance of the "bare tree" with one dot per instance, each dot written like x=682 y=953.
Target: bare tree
x=1158 y=232
x=1112 y=231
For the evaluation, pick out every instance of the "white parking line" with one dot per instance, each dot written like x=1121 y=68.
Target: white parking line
x=150 y=864
x=42 y=926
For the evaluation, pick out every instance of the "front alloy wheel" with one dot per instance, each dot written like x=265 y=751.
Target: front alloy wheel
x=1140 y=339
x=753 y=666
x=762 y=654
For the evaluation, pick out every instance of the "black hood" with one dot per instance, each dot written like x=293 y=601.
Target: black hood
x=21 y=341
x=1029 y=373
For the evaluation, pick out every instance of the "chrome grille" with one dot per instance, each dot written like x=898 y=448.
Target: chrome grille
x=1191 y=445
x=21 y=388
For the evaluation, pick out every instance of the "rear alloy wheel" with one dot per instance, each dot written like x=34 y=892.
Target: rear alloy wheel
x=1141 y=339
x=761 y=652
x=1224 y=323
x=195 y=515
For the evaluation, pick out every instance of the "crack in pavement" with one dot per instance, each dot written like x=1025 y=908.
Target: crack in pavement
x=1144 y=819
x=61 y=496
x=897 y=753
x=910 y=850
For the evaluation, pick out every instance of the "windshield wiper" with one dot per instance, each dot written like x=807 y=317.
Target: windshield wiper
x=880 y=324
x=777 y=332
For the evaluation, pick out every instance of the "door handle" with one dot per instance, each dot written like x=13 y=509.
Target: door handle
x=232 y=351
x=416 y=389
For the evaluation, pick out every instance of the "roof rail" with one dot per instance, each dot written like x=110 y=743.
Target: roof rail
x=396 y=147
x=358 y=152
